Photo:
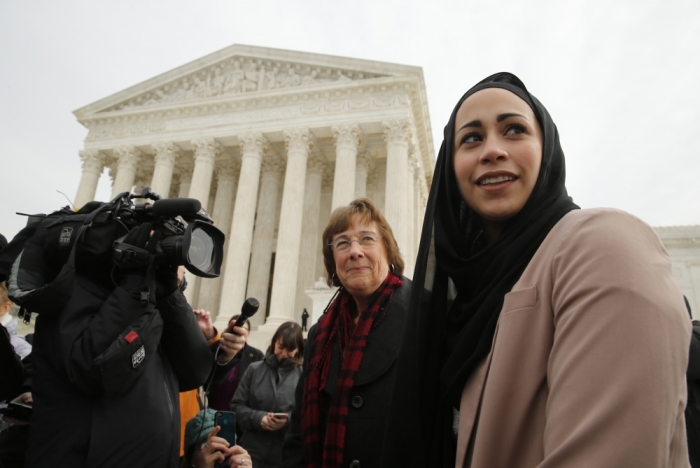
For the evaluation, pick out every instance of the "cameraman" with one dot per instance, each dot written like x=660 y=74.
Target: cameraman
x=109 y=367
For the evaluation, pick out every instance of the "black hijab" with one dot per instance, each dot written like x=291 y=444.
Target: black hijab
x=451 y=326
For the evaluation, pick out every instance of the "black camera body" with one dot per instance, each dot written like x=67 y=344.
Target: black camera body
x=197 y=244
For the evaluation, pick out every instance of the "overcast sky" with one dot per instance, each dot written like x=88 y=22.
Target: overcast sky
x=620 y=78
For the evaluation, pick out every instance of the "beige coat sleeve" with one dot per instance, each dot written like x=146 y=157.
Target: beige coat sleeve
x=616 y=372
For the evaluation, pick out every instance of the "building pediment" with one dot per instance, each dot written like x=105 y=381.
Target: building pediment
x=240 y=69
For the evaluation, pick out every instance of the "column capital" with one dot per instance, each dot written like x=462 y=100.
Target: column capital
x=273 y=163
x=166 y=152
x=347 y=135
x=226 y=167
x=397 y=131
x=207 y=149
x=299 y=139
x=253 y=144
x=128 y=156
x=92 y=160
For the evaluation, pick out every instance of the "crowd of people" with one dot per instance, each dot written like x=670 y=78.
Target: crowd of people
x=532 y=334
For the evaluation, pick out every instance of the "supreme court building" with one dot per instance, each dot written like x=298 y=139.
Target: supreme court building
x=270 y=141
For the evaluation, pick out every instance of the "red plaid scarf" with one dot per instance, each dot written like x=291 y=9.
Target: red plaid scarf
x=326 y=449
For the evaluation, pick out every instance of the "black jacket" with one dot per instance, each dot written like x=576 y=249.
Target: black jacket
x=368 y=403
x=10 y=368
x=78 y=420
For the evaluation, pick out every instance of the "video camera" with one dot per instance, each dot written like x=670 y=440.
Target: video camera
x=197 y=245
x=42 y=260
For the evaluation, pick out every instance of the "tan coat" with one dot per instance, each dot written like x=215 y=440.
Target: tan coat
x=587 y=367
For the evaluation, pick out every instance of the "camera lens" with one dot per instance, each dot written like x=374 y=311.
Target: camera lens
x=201 y=251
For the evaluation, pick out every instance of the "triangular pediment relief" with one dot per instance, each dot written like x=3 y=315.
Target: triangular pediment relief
x=239 y=74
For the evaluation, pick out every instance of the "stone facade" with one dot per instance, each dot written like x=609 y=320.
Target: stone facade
x=270 y=141
x=683 y=245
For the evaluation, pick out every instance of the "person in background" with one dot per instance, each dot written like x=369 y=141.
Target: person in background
x=203 y=449
x=265 y=396
x=304 y=319
x=21 y=346
x=340 y=411
x=221 y=392
x=15 y=386
x=541 y=334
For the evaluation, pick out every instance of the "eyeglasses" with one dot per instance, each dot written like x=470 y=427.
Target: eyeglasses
x=343 y=244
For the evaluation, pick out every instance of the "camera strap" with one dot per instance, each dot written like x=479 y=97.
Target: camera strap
x=148 y=291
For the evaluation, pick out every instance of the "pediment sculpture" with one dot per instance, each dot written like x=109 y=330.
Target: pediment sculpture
x=240 y=75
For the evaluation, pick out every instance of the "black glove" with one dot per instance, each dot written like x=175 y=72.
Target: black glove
x=166 y=280
x=132 y=255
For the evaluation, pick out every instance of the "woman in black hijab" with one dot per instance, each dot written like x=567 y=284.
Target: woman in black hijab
x=544 y=335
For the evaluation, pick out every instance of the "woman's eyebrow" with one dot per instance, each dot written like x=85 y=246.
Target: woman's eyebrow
x=347 y=236
x=473 y=123
x=503 y=117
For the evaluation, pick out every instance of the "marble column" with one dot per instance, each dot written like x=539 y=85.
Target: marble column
x=128 y=158
x=310 y=241
x=347 y=139
x=238 y=252
x=185 y=170
x=363 y=165
x=93 y=163
x=397 y=135
x=205 y=153
x=165 y=156
x=227 y=170
x=421 y=200
x=284 y=282
x=264 y=234
x=324 y=214
x=410 y=254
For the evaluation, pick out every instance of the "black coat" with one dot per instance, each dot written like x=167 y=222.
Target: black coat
x=368 y=402
x=75 y=423
x=692 y=409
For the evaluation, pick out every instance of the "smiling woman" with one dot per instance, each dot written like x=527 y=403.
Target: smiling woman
x=538 y=326
x=497 y=155
x=340 y=411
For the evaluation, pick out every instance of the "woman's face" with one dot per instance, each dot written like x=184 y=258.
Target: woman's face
x=282 y=353
x=497 y=154
x=361 y=269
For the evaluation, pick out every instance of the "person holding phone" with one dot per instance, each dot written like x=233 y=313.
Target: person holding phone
x=206 y=448
x=265 y=396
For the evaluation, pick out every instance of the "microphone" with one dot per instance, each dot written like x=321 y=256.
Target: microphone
x=250 y=307
x=171 y=207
